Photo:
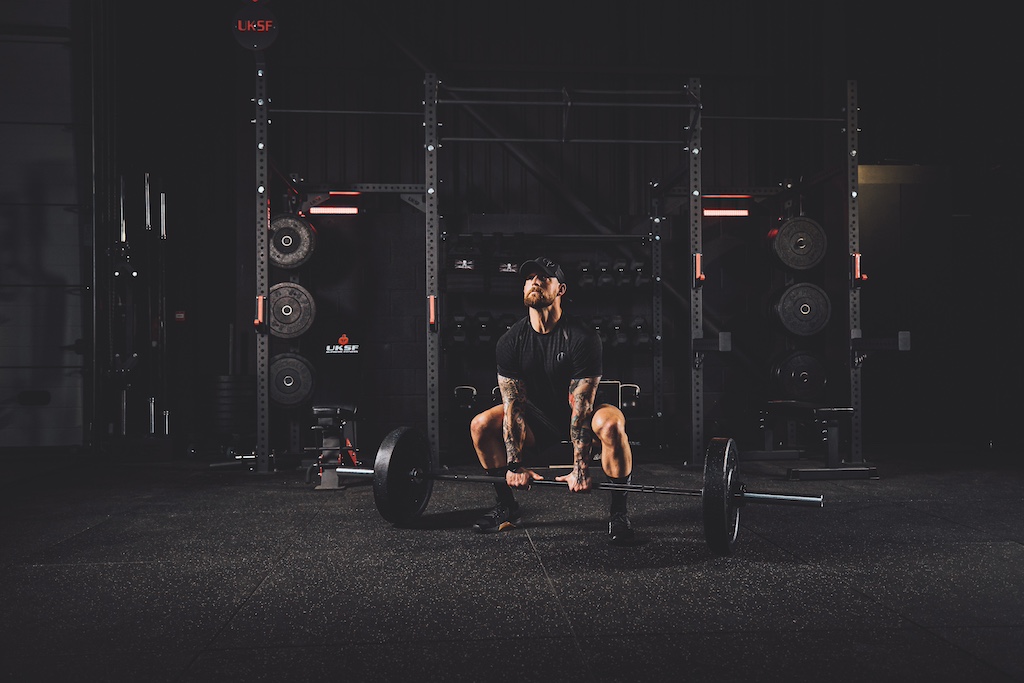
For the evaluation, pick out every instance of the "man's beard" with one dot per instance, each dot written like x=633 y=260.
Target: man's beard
x=538 y=299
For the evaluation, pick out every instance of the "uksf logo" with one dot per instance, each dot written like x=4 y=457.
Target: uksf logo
x=344 y=345
x=258 y=25
x=255 y=27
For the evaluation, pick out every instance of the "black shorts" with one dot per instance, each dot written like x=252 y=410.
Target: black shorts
x=546 y=432
x=551 y=442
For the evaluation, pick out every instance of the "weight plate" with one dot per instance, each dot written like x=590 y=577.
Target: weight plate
x=798 y=243
x=803 y=309
x=292 y=310
x=292 y=241
x=291 y=379
x=399 y=496
x=799 y=376
x=718 y=498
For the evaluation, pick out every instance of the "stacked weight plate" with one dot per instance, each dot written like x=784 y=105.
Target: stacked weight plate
x=801 y=310
x=291 y=309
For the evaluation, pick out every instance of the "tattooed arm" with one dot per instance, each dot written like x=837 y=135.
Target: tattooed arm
x=582 y=394
x=513 y=397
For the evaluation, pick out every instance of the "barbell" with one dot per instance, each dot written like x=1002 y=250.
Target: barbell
x=403 y=479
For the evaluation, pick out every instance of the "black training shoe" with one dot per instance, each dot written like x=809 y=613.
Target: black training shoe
x=500 y=518
x=620 y=531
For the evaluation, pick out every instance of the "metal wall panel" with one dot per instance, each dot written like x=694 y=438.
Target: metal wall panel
x=41 y=289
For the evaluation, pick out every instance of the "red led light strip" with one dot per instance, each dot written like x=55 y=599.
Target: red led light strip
x=726 y=212
x=335 y=210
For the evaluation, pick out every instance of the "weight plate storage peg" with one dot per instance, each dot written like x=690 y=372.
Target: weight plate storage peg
x=400 y=495
x=292 y=241
x=292 y=310
x=721 y=494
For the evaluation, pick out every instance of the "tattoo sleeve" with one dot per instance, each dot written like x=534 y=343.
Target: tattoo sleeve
x=583 y=393
x=513 y=397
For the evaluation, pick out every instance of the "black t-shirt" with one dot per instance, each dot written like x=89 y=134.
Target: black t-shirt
x=546 y=363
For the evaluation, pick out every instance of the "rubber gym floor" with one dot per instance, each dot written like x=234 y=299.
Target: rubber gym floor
x=178 y=571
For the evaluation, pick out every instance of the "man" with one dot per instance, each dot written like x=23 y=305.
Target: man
x=539 y=358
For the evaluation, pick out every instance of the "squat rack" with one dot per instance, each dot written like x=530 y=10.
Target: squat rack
x=857 y=345
x=567 y=100
x=699 y=344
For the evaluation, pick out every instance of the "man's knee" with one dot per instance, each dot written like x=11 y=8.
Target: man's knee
x=609 y=425
x=478 y=425
x=486 y=423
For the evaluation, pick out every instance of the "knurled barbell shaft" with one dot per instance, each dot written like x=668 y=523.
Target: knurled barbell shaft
x=744 y=496
x=604 y=486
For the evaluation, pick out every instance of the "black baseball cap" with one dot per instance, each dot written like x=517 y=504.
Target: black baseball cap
x=542 y=264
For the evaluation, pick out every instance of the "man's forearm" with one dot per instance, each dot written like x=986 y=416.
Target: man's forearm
x=584 y=394
x=513 y=396
x=514 y=432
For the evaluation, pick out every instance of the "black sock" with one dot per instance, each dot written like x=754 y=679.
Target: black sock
x=619 y=497
x=502 y=490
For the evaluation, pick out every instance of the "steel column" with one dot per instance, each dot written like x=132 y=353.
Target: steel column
x=853 y=223
x=696 y=291
x=657 y=330
x=262 y=205
x=433 y=234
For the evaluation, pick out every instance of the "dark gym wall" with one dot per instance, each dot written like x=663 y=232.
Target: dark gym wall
x=380 y=68
x=781 y=60
x=931 y=90
x=175 y=89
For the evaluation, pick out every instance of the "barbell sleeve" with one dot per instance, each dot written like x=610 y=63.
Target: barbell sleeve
x=781 y=499
x=359 y=472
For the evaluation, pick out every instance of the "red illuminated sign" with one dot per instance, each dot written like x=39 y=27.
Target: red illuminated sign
x=255 y=27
